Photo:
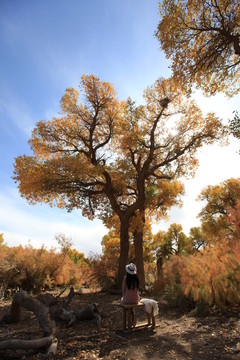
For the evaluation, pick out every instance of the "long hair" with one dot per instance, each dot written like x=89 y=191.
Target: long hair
x=132 y=281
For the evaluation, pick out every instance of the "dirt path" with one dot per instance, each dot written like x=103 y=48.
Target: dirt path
x=177 y=336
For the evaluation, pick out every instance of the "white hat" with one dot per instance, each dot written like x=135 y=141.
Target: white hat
x=131 y=269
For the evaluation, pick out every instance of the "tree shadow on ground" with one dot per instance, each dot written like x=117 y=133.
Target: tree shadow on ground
x=176 y=336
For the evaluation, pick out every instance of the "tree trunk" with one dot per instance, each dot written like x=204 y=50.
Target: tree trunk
x=124 y=249
x=138 y=246
x=160 y=269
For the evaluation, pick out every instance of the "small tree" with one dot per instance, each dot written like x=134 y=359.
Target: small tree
x=220 y=201
x=197 y=238
x=172 y=242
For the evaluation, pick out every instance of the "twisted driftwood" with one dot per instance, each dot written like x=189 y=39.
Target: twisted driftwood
x=26 y=344
x=22 y=299
x=40 y=307
x=91 y=311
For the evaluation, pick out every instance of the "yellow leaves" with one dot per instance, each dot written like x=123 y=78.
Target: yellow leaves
x=210 y=277
x=234 y=217
x=28 y=172
x=164 y=95
x=99 y=95
x=199 y=37
x=162 y=196
x=111 y=244
x=41 y=268
x=69 y=101
x=105 y=156
x=63 y=157
x=220 y=200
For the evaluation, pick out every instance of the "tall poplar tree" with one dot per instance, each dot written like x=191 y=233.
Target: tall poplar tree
x=105 y=156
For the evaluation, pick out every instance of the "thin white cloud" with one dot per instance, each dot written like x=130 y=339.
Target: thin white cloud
x=21 y=222
x=18 y=112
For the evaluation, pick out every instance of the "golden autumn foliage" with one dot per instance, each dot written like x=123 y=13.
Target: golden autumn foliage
x=7 y=270
x=110 y=254
x=102 y=272
x=202 y=270
x=208 y=278
x=38 y=269
x=202 y=40
x=234 y=125
x=71 y=154
x=109 y=157
x=221 y=206
x=173 y=242
x=234 y=218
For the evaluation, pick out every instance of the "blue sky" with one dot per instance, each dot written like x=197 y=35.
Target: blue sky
x=45 y=47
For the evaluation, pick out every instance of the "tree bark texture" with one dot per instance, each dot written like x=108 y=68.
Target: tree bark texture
x=89 y=312
x=26 y=344
x=124 y=249
x=22 y=299
x=138 y=247
x=160 y=268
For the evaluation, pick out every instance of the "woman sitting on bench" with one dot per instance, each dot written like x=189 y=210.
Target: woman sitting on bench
x=130 y=285
x=131 y=298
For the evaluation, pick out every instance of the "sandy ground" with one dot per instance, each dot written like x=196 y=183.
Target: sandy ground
x=176 y=335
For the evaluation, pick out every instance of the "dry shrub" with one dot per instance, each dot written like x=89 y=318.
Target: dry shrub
x=39 y=269
x=206 y=279
x=103 y=271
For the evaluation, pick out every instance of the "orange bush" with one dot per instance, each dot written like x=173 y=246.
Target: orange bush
x=211 y=277
x=38 y=269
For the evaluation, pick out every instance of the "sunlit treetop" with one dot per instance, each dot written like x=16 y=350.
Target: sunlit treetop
x=106 y=156
x=202 y=40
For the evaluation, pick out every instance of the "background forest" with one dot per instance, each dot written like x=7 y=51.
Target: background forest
x=199 y=271
x=124 y=163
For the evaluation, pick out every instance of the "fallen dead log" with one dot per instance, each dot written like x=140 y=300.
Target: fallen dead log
x=51 y=300
x=26 y=344
x=22 y=299
x=41 y=311
x=47 y=299
x=89 y=312
x=49 y=342
x=64 y=315
x=52 y=350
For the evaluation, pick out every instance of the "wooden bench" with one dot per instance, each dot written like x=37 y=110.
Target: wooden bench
x=129 y=316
